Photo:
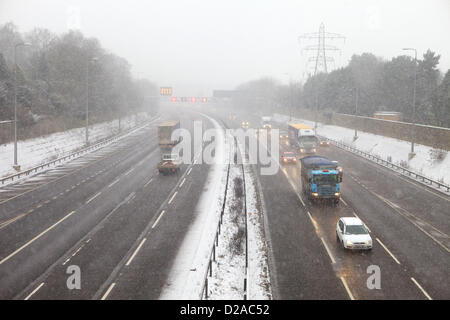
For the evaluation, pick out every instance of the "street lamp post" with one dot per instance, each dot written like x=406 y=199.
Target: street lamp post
x=412 y=154
x=16 y=166
x=356 y=113
x=87 y=98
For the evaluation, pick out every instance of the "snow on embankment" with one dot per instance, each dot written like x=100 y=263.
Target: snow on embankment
x=424 y=161
x=33 y=152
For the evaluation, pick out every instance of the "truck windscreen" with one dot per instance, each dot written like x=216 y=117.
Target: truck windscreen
x=307 y=139
x=322 y=179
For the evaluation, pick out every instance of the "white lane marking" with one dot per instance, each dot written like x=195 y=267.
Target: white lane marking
x=189 y=171
x=407 y=215
x=34 y=291
x=151 y=179
x=171 y=199
x=35 y=238
x=5 y=223
x=312 y=220
x=114 y=182
x=387 y=250
x=128 y=172
x=328 y=251
x=108 y=291
x=182 y=182
x=135 y=252
x=157 y=220
x=421 y=289
x=94 y=197
x=344 y=202
x=68 y=259
x=347 y=288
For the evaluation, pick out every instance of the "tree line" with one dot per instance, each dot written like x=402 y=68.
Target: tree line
x=55 y=72
x=371 y=83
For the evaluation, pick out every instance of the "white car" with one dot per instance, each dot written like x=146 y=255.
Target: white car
x=353 y=234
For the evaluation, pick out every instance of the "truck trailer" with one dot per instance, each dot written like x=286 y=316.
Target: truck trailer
x=321 y=179
x=165 y=131
x=304 y=137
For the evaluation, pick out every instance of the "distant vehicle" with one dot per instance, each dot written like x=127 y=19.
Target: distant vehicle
x=353 y=234
x=170 y=163
x=324 y=142
x=283 y=134
x=288 y=157
x=320 y=179
x=303 y=136
x=165 y=131
x=266 y=122
x=244 y=124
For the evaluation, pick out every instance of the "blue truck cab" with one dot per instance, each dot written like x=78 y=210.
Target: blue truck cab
x=321 y=179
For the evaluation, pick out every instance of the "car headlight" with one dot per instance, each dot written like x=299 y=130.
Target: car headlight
x=314 y=150
x=369 y=242
x=349 y=243
x=302 y=150
x=315 y=194
x=337 y=194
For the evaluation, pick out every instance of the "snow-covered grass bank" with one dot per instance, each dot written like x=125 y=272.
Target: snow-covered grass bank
x=229 y=269
x=397 y=150
x=259 y=287
x=33 y=152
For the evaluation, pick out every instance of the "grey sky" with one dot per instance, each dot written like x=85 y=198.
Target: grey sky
x=200 y=45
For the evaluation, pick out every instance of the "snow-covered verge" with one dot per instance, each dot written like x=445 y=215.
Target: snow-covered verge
x=259 y=287
x=33 y=152
x=229 y=269
x=424 y=162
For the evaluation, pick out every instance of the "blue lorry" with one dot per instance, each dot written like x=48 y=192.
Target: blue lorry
x=321 y=179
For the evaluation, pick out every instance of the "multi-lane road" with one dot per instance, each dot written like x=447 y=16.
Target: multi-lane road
x=109 y=213
x=112 y=215
x=408 y=222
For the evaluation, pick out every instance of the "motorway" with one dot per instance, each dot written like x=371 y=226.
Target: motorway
x=408 y=223
x=108 y=210
x=111 y=214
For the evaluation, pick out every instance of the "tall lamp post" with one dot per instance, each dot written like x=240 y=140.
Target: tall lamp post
x=87 y=97
x=291 y=98
x=16 y=166
x=414 y=100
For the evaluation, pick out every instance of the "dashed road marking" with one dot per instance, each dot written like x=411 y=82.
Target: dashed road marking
x=148 y=182
x=94 y=197
x=421 y=289
x=34 y=291
x=347 y=288
x=173 y=196
x=35 y=238
x=135 y=252
x=108 y=291
x=189 y=171
x=387 y=250
x=157 y=220
x=328 y=251
x=182 y=182
x=113 y=183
